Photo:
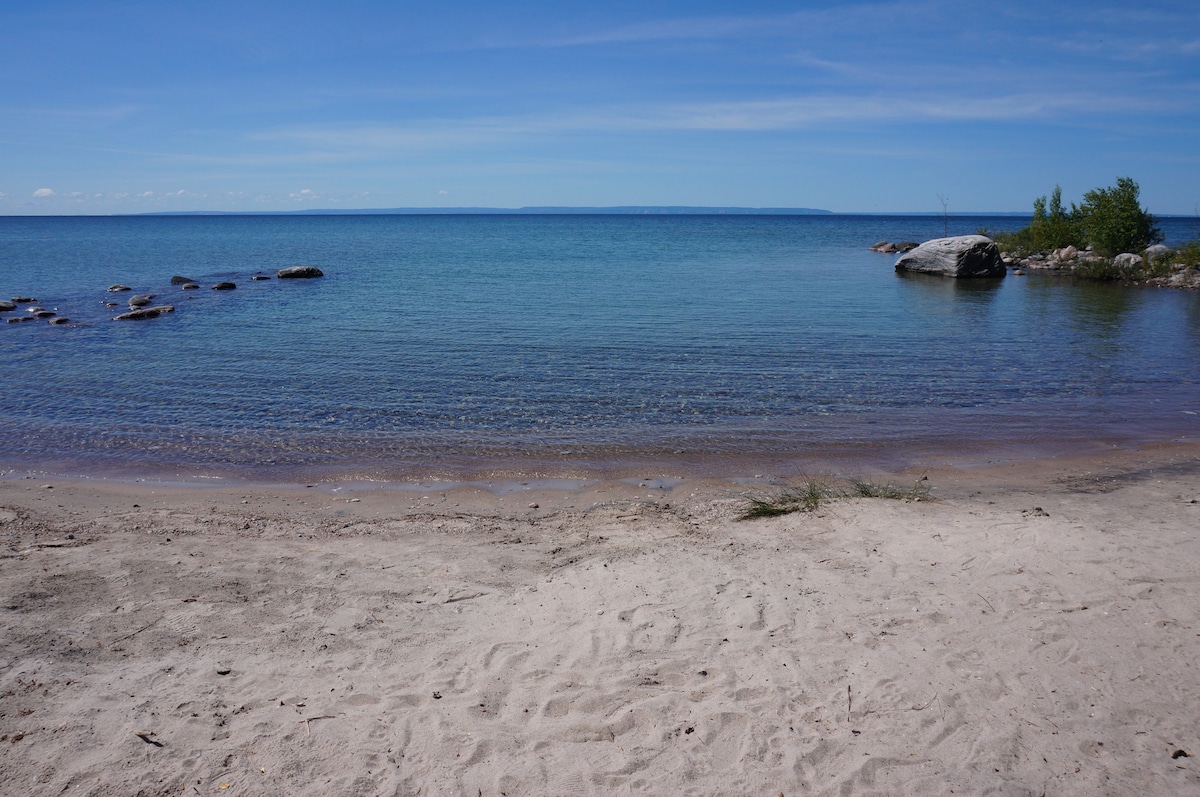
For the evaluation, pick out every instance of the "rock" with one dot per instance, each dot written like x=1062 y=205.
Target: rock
x=191 y=286
x=59 y=321
x=224 y=286
x=1066 y=254
x=163 y=308
x=20 y=318
x=260 y=277
x=906 y=246
x=875 y=247
x=1157 y=250
x=138 y=315
x=178 y=280
x=1018 y=272
x=45 y=314
x=6 y=306
x=887 y=248
x=24 y=300
x=1127 y=260
x=141 y=300
x=300 y=272
x=962 y=256
x=118 y=288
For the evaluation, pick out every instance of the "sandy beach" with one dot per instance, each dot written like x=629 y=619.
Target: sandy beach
x=1032 y=629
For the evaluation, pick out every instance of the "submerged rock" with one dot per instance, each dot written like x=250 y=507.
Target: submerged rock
x=6 y=306
x=260 y=277
x=300 y=272
x=24 y=300
x=191 y=286
x=59 y=321
x=138 y=315
x=20 y=318
x=118 y=288
x=178 y=280
x=962 y=256
x=163 y=308
x=224 y=286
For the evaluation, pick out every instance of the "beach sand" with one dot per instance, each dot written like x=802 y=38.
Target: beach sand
x=1033 y=629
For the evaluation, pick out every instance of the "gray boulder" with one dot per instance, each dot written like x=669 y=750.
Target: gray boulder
x=190 y=286
x=1157 y=250
x=178 y=280
x=224 y=286
x=6 y=306
x=118 y=288
x=300 y=272
x=1127 y=260
x=963 y=256
x=141 y=299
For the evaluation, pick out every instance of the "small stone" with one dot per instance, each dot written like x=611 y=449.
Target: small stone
x=118 y=288
x=533 y=506
x=191 y=286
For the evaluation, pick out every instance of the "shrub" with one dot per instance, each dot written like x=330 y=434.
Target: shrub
x=1110 y=220
x=1114 y=221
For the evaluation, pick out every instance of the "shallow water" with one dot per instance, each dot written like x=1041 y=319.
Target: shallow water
x=564 y=345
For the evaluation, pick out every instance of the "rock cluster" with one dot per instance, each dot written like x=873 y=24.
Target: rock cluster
x=140 y=305
x=1066 y=260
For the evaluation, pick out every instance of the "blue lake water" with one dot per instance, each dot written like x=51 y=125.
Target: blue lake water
x=453 y=346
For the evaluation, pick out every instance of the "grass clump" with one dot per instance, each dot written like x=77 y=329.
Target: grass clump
x=805 y=498
x=814 y=493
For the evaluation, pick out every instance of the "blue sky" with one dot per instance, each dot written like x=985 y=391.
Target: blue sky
x=122 y=107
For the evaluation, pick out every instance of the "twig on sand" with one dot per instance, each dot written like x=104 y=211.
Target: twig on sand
x=988 y=602
x=140 y=630
x=849 y=702
x=308 y=720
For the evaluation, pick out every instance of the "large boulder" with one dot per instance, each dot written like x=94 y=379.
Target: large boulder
x=961 y=256
x=299 y=272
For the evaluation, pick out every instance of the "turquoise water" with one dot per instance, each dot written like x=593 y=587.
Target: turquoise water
x=564 y=345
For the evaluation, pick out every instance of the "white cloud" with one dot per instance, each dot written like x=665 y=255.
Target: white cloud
x=43 y=192
x=147 y=193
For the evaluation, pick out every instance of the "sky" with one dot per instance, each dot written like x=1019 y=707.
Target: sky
x=132 y=107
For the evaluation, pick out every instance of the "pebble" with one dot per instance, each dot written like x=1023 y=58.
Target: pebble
x=533 y=506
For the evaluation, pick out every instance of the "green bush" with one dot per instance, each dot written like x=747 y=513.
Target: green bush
x=1053 y=228
x=1110 y=220
x=1188 y=253
x=1114 y=221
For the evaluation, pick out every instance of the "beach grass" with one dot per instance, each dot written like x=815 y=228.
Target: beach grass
x=815 y=492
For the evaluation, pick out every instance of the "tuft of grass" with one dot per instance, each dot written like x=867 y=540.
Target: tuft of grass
x=805 y=498
x=815 y=492
x=864 y=489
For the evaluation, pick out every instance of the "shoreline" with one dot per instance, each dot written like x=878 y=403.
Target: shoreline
x=1033 y=628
